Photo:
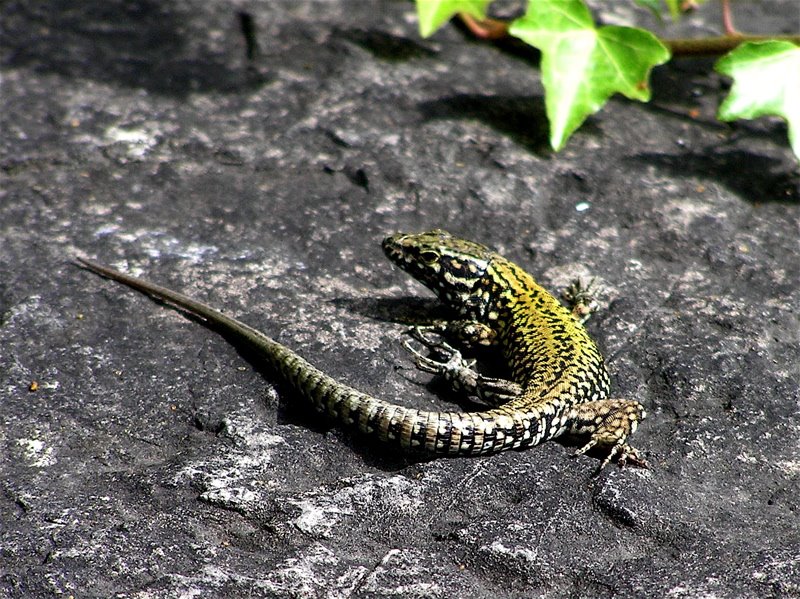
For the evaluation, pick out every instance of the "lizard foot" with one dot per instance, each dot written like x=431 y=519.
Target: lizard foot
x=582 y=298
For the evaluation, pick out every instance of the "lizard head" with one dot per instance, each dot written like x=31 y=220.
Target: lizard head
x=450 y=266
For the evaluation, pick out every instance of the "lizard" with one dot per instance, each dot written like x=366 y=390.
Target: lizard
x=558 y=382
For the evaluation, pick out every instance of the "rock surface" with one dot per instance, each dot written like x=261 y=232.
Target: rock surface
x=154 y=460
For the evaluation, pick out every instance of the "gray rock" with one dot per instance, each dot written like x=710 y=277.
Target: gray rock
x=154 y=460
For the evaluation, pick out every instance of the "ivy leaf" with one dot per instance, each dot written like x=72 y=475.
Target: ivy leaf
x=766 y=81
x=432 y=14
x=582 y=65
x=655 y=7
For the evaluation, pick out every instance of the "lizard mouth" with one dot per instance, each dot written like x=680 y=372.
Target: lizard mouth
x=393 y=248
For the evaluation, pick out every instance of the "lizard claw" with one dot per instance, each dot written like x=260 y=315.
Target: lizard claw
x=625 y=455
x=582 y=298
x=451 y=359
x=438 y=346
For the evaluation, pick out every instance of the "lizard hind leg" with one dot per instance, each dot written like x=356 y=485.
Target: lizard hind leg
x=608 y=423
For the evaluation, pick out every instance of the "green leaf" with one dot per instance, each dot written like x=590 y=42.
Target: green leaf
x=583 y=66
x=655 y=7
x=766 y=81
x=433 y=14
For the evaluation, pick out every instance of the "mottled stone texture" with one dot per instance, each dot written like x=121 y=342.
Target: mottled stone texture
x=154 y=460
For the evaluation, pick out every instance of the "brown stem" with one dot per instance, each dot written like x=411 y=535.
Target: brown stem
x=727 y=18
x=714 y=46
x=494 y=29
x=486 y=29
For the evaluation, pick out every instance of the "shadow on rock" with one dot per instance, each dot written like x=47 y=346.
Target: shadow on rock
x=409 y=310
x=522 y=118
x=139 y=44
x=757 y=179
x=385 y=46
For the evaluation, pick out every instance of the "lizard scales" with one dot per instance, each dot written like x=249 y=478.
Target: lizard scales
x=559 y=383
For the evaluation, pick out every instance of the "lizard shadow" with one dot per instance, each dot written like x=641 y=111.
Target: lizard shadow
x=410 y=310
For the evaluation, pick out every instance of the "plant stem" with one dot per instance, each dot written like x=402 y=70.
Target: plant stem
x=727 y=18
x=714 y=46
x=494 y=29
x=485 y=29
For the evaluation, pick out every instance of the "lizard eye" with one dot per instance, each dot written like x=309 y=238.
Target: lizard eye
x=429 y=257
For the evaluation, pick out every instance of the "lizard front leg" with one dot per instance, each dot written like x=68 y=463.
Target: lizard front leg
x=468 y=333
x=460 y=373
